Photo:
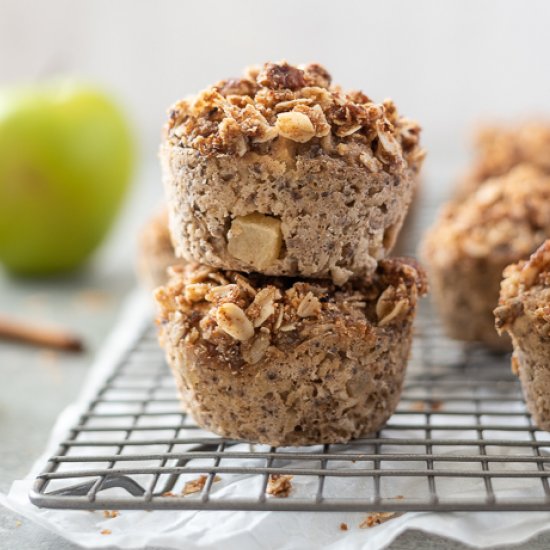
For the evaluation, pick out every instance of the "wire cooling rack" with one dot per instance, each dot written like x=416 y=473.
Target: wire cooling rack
x=461 y=439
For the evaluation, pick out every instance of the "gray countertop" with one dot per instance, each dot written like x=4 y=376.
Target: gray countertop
x=38 y=384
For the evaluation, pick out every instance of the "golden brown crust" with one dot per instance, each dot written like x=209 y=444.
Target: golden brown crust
x=299 y=104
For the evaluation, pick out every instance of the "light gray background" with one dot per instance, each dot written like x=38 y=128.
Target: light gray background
x=445 y=63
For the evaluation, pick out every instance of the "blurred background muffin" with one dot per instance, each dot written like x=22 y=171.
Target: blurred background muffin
x=155 y=251
x=501 y=146
x=471 y=243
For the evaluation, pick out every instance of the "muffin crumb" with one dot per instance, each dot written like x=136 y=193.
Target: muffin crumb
x=279 y=485
x=376 y=519
x=196 y=485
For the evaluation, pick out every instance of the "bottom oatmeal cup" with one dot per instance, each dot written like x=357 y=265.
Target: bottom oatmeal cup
x=284 y=361
x=524 y=313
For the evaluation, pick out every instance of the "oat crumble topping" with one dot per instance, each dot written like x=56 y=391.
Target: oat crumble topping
x=301 y=105
x=526 y=289
x=242 y=316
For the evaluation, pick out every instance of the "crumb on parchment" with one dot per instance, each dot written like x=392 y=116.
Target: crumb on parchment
x=279 y=485
x=197 y=485
x=421 y=406
x=376 y=519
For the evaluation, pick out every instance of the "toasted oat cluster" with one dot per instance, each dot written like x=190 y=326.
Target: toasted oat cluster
x=507 y=217
x=279 y=485
x=499 y=148
x=526 y=288
x=242 y=316
x=299 y=104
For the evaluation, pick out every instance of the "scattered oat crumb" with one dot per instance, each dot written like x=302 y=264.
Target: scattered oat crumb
x=344 y=527
x=399 y=497
x=105 y=532
x=18 y=523
x=92 y=299
x=376 y=519
x=279 y=485
x=196 y=485
x=110 y=514
x=168 y=494
x=421 y=406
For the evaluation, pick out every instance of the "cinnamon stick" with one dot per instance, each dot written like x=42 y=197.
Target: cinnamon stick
x=39 y=336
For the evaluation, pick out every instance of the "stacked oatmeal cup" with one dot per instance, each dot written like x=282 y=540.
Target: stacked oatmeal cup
x=286 y=323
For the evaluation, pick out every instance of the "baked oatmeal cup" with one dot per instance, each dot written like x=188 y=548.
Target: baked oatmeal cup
x=524 y=313
x=283 y=361
x=467 y=249
x=283 y=173
x=155 y=251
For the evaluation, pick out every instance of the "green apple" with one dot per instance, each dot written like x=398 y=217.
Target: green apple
x=65 y=165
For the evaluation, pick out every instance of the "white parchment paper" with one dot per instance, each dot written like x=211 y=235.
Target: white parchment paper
x=252 y=530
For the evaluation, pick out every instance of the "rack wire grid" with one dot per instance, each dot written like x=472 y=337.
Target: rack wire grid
x=461 y=439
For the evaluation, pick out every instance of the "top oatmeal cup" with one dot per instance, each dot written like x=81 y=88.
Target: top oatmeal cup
x=283 y=173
